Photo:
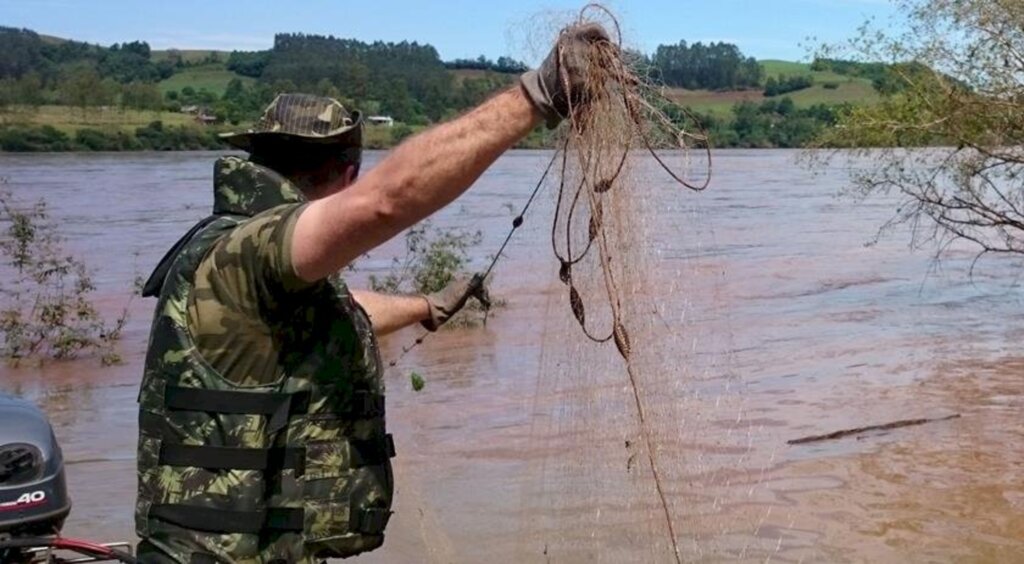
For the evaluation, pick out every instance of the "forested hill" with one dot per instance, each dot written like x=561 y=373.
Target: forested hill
x=71 y=86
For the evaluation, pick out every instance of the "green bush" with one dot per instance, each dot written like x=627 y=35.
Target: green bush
x=153 y=137
x=434 y=257
x=27 y=139
x=96 y=140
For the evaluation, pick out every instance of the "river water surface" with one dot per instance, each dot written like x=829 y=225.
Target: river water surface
x=767 y=317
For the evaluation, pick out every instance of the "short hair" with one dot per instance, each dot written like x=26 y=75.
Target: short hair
x=287 y=157
x=307 y=164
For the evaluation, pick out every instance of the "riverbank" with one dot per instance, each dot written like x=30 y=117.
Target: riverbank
x=159 y=136
x=777 y=122
x=64 y=129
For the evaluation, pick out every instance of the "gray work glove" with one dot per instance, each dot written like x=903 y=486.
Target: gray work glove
x=545 y=87
x=448 y=301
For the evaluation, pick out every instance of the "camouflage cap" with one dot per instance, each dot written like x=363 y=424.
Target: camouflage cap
x=303 y=118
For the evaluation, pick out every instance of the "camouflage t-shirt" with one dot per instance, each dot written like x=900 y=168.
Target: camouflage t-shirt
x=238 y=288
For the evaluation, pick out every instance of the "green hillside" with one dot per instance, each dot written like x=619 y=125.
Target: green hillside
x=840 y=89
x=212 y=77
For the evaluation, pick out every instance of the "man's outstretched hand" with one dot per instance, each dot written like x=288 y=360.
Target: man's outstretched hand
x=545 y=87
x=450 y=300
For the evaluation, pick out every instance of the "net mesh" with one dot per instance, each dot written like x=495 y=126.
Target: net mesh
x=620 y=127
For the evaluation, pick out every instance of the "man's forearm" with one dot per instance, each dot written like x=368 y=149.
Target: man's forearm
x=389 y=313
x=419 y=177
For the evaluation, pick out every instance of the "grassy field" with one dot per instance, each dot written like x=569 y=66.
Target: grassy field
x=214 y=78
x=775 y=68
x=853 y=92
x=68 y=119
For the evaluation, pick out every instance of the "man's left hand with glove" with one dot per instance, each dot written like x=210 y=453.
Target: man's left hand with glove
x=389 y=312
x=450 y=300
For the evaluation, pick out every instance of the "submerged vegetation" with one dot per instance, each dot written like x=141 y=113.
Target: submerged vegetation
x=46 y=307
x=434 y=257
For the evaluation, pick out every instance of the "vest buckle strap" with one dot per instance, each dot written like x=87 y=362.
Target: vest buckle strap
x=369 y=521
x=226 y=521
x=367 y=404
x=372 y=520
x=203 y=558
x=372 y=451
x=279 y=406
x=231 y=458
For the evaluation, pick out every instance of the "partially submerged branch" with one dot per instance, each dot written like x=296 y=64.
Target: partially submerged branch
x=860 y=430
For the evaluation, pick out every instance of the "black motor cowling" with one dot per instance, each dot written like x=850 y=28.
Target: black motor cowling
x=33 y=494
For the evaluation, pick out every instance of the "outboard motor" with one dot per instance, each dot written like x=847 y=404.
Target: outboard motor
x=34 y=497
x=33 y=494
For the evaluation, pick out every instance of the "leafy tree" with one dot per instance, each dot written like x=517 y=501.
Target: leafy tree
x=20 y=52
x=327 y=88
x=84 y=88
x=175 y=58
x=971 y=104
x=141 y=96
x=248 y=63
x=234 y=90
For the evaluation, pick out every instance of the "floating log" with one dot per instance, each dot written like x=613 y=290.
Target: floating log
x=869 y=428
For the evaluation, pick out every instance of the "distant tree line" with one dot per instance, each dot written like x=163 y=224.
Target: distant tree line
x=406 y=80
x=715 y=66
x=503 y=64
x=35 y=70
x=23 y=51
x=83 y=88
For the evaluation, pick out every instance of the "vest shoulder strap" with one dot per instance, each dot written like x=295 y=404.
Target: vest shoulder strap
x=155 y=282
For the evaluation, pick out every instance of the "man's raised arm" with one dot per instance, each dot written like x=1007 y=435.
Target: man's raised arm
x=421 y=176
x=431 y=169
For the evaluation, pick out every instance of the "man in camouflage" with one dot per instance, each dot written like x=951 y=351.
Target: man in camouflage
x=261 y=426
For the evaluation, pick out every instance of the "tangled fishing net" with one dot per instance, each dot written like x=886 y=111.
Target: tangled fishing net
x=623 y=117
x=620 y=130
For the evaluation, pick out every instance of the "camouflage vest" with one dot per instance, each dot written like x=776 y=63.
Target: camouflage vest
x=291 y=471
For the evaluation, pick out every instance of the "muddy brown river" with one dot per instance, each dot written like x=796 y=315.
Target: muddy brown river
x=767 y=314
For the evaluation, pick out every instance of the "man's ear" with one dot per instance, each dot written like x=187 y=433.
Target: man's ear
x=351 y=173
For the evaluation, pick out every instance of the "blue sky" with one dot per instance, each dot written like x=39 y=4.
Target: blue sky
x=765 y=29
